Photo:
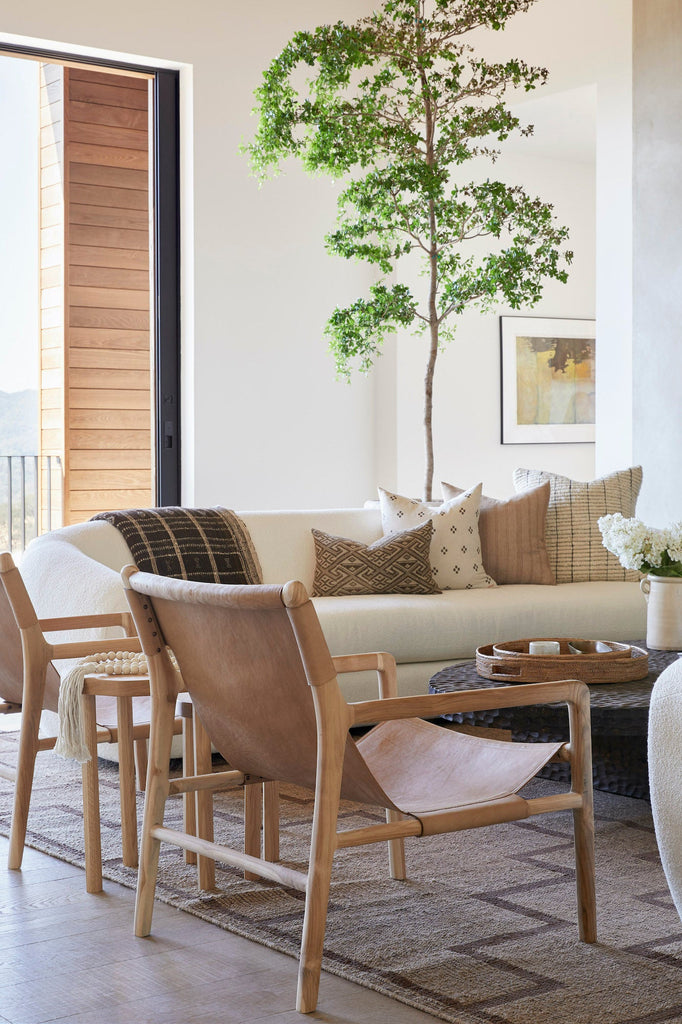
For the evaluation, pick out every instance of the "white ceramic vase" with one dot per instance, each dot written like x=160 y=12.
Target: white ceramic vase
x=664 y=612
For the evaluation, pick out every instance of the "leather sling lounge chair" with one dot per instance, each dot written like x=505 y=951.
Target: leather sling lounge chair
x=257 y=666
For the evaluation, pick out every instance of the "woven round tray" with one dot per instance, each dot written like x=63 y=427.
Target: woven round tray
x=602 y=662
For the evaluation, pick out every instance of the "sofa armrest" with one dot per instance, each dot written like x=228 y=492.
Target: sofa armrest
x=64 y=582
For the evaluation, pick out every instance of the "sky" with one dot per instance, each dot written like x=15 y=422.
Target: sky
x=19 y=140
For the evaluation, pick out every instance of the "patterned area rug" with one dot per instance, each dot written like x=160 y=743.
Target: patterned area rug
x=483 y=932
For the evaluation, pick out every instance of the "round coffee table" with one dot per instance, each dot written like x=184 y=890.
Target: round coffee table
x=619 y=713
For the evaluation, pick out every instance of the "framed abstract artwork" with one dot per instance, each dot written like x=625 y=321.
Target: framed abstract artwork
x=548 y=380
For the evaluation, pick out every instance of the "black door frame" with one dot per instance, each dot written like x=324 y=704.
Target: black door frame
x=166 y=267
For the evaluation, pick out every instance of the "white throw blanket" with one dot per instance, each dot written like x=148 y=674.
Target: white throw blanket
x=665 y=773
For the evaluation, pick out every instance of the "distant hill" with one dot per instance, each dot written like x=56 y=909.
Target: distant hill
x=19 y=422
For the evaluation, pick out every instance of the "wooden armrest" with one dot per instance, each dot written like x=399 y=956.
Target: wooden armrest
x=570 y=691
x=380 y=661
x=64 y=622
x=81 y=648
x=361 y=662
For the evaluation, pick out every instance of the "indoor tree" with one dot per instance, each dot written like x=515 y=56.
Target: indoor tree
x=392 y=105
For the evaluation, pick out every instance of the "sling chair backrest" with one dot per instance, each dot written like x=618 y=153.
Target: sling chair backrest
x=13 y=593
x=249 y=662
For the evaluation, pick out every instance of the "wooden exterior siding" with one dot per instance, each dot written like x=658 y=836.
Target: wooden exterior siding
x=106 y=368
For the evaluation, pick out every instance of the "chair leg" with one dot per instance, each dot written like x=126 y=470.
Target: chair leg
x=91 y=818
x=396 y=850
x=126 y=781
x=330 y=753
x=141 y=758
x=189 y=804
x=583 y=816
x=154 y=807
x=315 y=919
x=583 y=831
x=253 y=811
x=23 y=786
x=271 y=821
x=204 y=803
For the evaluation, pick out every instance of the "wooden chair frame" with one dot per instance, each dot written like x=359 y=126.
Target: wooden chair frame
x=38 y=653
x=261 y=804
x=335 y=717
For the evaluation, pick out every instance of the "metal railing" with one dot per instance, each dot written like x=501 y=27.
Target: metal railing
x=30 y=498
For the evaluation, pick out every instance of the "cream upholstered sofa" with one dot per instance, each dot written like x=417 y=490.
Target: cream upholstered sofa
x=76 y=569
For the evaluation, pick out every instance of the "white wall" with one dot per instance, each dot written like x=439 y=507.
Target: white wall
x=467 y=383
x=587 y=47
x=265 y=423
x=614 y=434
x=657 y=420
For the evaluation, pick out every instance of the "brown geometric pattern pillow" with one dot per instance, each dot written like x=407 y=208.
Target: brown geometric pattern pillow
x=574 y=543
x=513 y=535
x=399 y=564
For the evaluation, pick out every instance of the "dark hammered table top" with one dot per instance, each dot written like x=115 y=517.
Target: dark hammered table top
x=617 y=709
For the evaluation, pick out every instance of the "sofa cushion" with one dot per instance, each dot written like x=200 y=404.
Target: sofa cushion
x=399 y=564
x=574 y=543
x=513 y=535
x=450 y=626
x=284 y=540
x=456 y=559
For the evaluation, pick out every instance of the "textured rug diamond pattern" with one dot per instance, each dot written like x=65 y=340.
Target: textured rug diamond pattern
x=483 y=932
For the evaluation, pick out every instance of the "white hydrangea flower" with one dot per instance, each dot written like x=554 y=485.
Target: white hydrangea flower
x=638 y=546
x=673 y=543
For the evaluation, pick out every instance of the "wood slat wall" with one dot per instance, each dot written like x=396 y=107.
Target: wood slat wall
x=106 y=365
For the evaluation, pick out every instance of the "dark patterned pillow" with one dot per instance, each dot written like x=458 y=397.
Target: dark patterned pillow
x=398 y=564
x=208 y=545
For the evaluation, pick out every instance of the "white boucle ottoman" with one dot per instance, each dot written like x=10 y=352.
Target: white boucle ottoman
x=665 y=773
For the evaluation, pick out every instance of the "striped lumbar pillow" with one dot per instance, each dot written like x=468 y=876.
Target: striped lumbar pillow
x=513 y=535
x=574 y=543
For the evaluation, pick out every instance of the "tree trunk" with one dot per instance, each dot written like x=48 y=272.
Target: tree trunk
x=428 y=411
x=430 y=127
x=433 y=353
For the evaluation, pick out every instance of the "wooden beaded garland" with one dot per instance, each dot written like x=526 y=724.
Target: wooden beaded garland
x=70 y=739
x=118 y=663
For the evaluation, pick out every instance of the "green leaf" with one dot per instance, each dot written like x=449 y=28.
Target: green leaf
x=393 y=105
x=357 y=332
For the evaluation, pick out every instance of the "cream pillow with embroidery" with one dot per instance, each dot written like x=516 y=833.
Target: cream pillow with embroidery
x=456 y=560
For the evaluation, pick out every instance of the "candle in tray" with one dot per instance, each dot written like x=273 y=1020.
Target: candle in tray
x=544 y=647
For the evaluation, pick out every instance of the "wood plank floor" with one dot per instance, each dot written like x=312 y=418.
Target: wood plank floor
x=71 y=957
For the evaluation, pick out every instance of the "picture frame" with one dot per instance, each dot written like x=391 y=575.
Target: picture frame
x=547 y=380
